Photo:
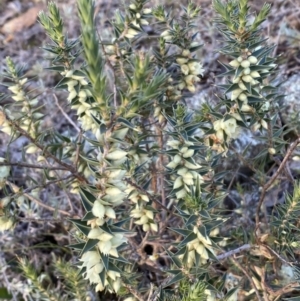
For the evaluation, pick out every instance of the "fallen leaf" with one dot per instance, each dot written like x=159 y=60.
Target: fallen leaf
x=21 y=22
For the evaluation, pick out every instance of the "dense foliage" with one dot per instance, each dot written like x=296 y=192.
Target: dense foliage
x=148 y=167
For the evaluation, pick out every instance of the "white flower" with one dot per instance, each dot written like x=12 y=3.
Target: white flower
x=154 y=227
x=69 y=73
x=166 y=35
x=31 y=149
x=4 y=170
x=19 y=97
x=6 y=223
x=98 y=209
x=230 y=126
x=110 y=212
x=191 y=79
x=15 y=89
x=147 y=11
x=234 y=63
x=181 y=193
x=191 y=165
x=196 y=68
x=264 y=124
x=189 y=153
x=116 y=155
x=178 y=183
x=242 y=86
x=185 y=69
x=181 y=60
x=72 y=95
x=235 y=94
x=252 y=59
x=186 y=52
x=245 y=64
x=191 y=88
x=272 y=151
x=255 y=74
x=243 y=97
x=247 y=78
x=104 y=247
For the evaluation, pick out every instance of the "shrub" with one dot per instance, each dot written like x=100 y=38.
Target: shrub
x=149 y=170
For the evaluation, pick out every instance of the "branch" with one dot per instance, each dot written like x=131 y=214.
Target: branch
x=274 y=177
x=150 y=196
x=46 y=184
x=15 y=188
x=27 y=165
x=233 y=252
x=48 y=154
x=65 y=114
x=236 y=263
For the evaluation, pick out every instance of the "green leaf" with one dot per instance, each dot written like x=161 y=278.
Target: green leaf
x=191 y=220
x=105 y=259
x=81 y=226
x=4 y=294
x=182 y=232
x=78 y=246
x=126 y=123
x=175 y=279
x=188 y=239
x=90 y=244
x=175 y=260
x=87 y=199
x=88 y=216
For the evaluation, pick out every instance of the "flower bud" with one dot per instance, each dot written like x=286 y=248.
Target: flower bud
x=235 y=94
x=242 y=86
x=5 y=223
x=234 y=63
x=245 y=64
x=252 y=59
x=116 y=155
x=166 y=35
x=272 y=151
x=243 y=97
x=264 y=124
x=246 y=108
x=132 y=6
x=189 y=153
x=247 y=78
x=178 y=183
x=185 y=69
x=31 y=149
x=147 y=11
x=23 y=81
x=247 y=71
x=255 y=74
x=186 y=52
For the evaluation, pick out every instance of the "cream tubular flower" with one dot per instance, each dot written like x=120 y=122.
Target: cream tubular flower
x=196 y=68
x=230 y=127
x=6 y=223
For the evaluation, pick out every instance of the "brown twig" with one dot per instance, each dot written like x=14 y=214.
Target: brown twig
x=65 y=114
x=27 y=190
x=239 y=266
x=33 y=199
x=274 y=177
x=150 y=196
x=233 y=252
x=134 y=292
x=48 y=154
x=27 y=165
